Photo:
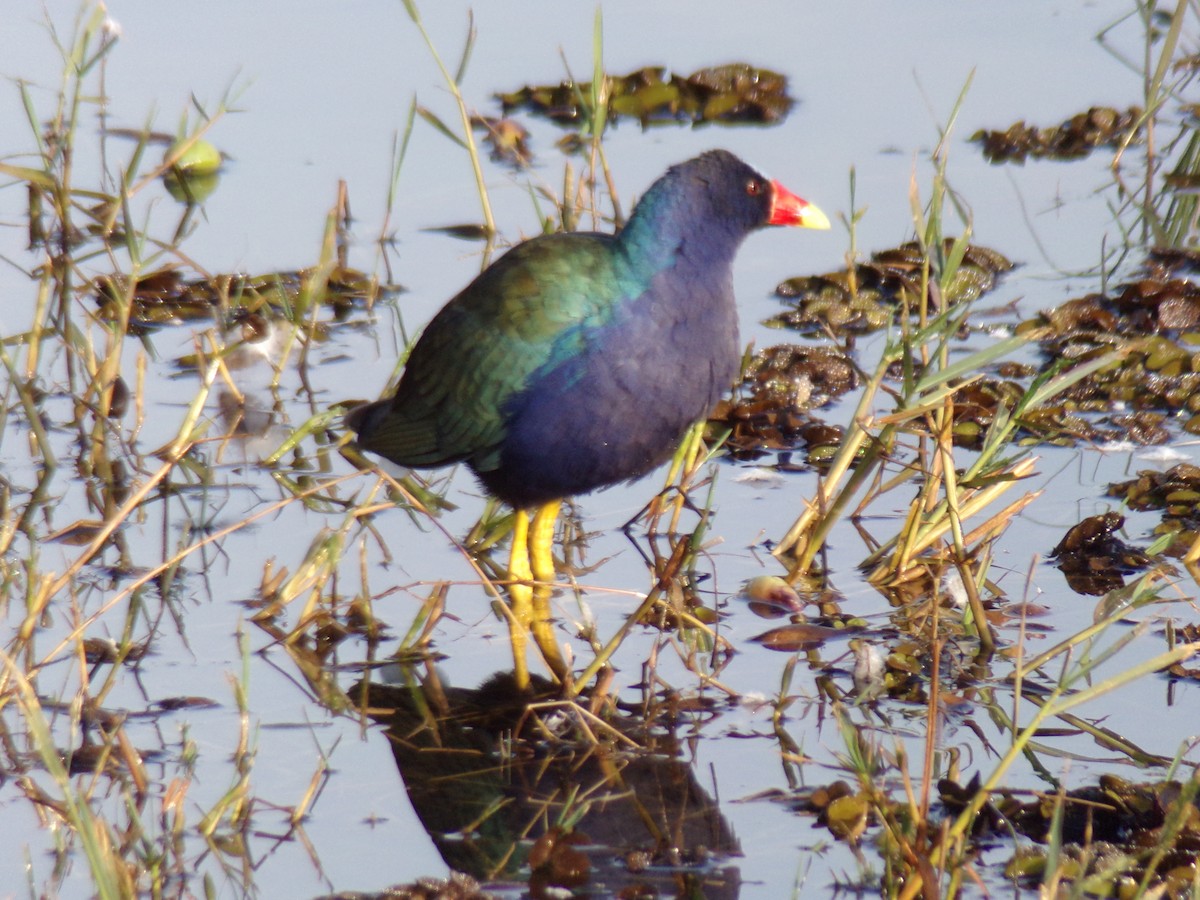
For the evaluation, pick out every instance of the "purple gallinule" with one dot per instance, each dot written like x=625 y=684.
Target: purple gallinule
x=576 y=360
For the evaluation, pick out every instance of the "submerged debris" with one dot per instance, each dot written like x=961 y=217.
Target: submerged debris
x=1073 y=139
x=732 y=94
x=865 y=298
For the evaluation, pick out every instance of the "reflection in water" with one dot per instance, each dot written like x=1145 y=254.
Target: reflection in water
x=255 y=346
x=499 y=806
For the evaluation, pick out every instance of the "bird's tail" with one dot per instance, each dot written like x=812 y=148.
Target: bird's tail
x=397 y=435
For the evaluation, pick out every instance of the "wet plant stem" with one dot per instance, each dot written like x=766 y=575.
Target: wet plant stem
x=453 y=83
x=807 y=535
x=1059 y=701
x=145 y=578
x=602 y=657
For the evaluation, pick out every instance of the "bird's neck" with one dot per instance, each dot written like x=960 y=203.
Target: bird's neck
x=665 y=231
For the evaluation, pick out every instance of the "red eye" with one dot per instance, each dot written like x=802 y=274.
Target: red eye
x=753 y=188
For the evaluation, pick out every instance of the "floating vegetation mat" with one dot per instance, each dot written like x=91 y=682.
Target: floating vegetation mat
x=1176 y=492
x=977 y=403
x=167 y=297
x=1094 y=559
x=732 y=94
x=866 y=298
x=1113 y=834
x=1156 y=319
x=769 y=408
x=1103 y=838
x=1100 y=126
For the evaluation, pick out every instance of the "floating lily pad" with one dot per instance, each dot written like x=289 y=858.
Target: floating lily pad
x=732 y=94
x=847 y=817
x=1100 y=126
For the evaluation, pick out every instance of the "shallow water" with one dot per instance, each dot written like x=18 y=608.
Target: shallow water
x=321 y=91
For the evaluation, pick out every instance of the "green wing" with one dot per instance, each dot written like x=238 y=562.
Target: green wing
x=538 y=304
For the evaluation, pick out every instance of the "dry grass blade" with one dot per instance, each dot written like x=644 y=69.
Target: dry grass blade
x=109 y=872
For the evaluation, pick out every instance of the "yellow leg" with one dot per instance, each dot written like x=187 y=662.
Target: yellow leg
x=541 y=542
x=541 y=552
x=532 y=559
x=518 y=557
x=521 y=594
